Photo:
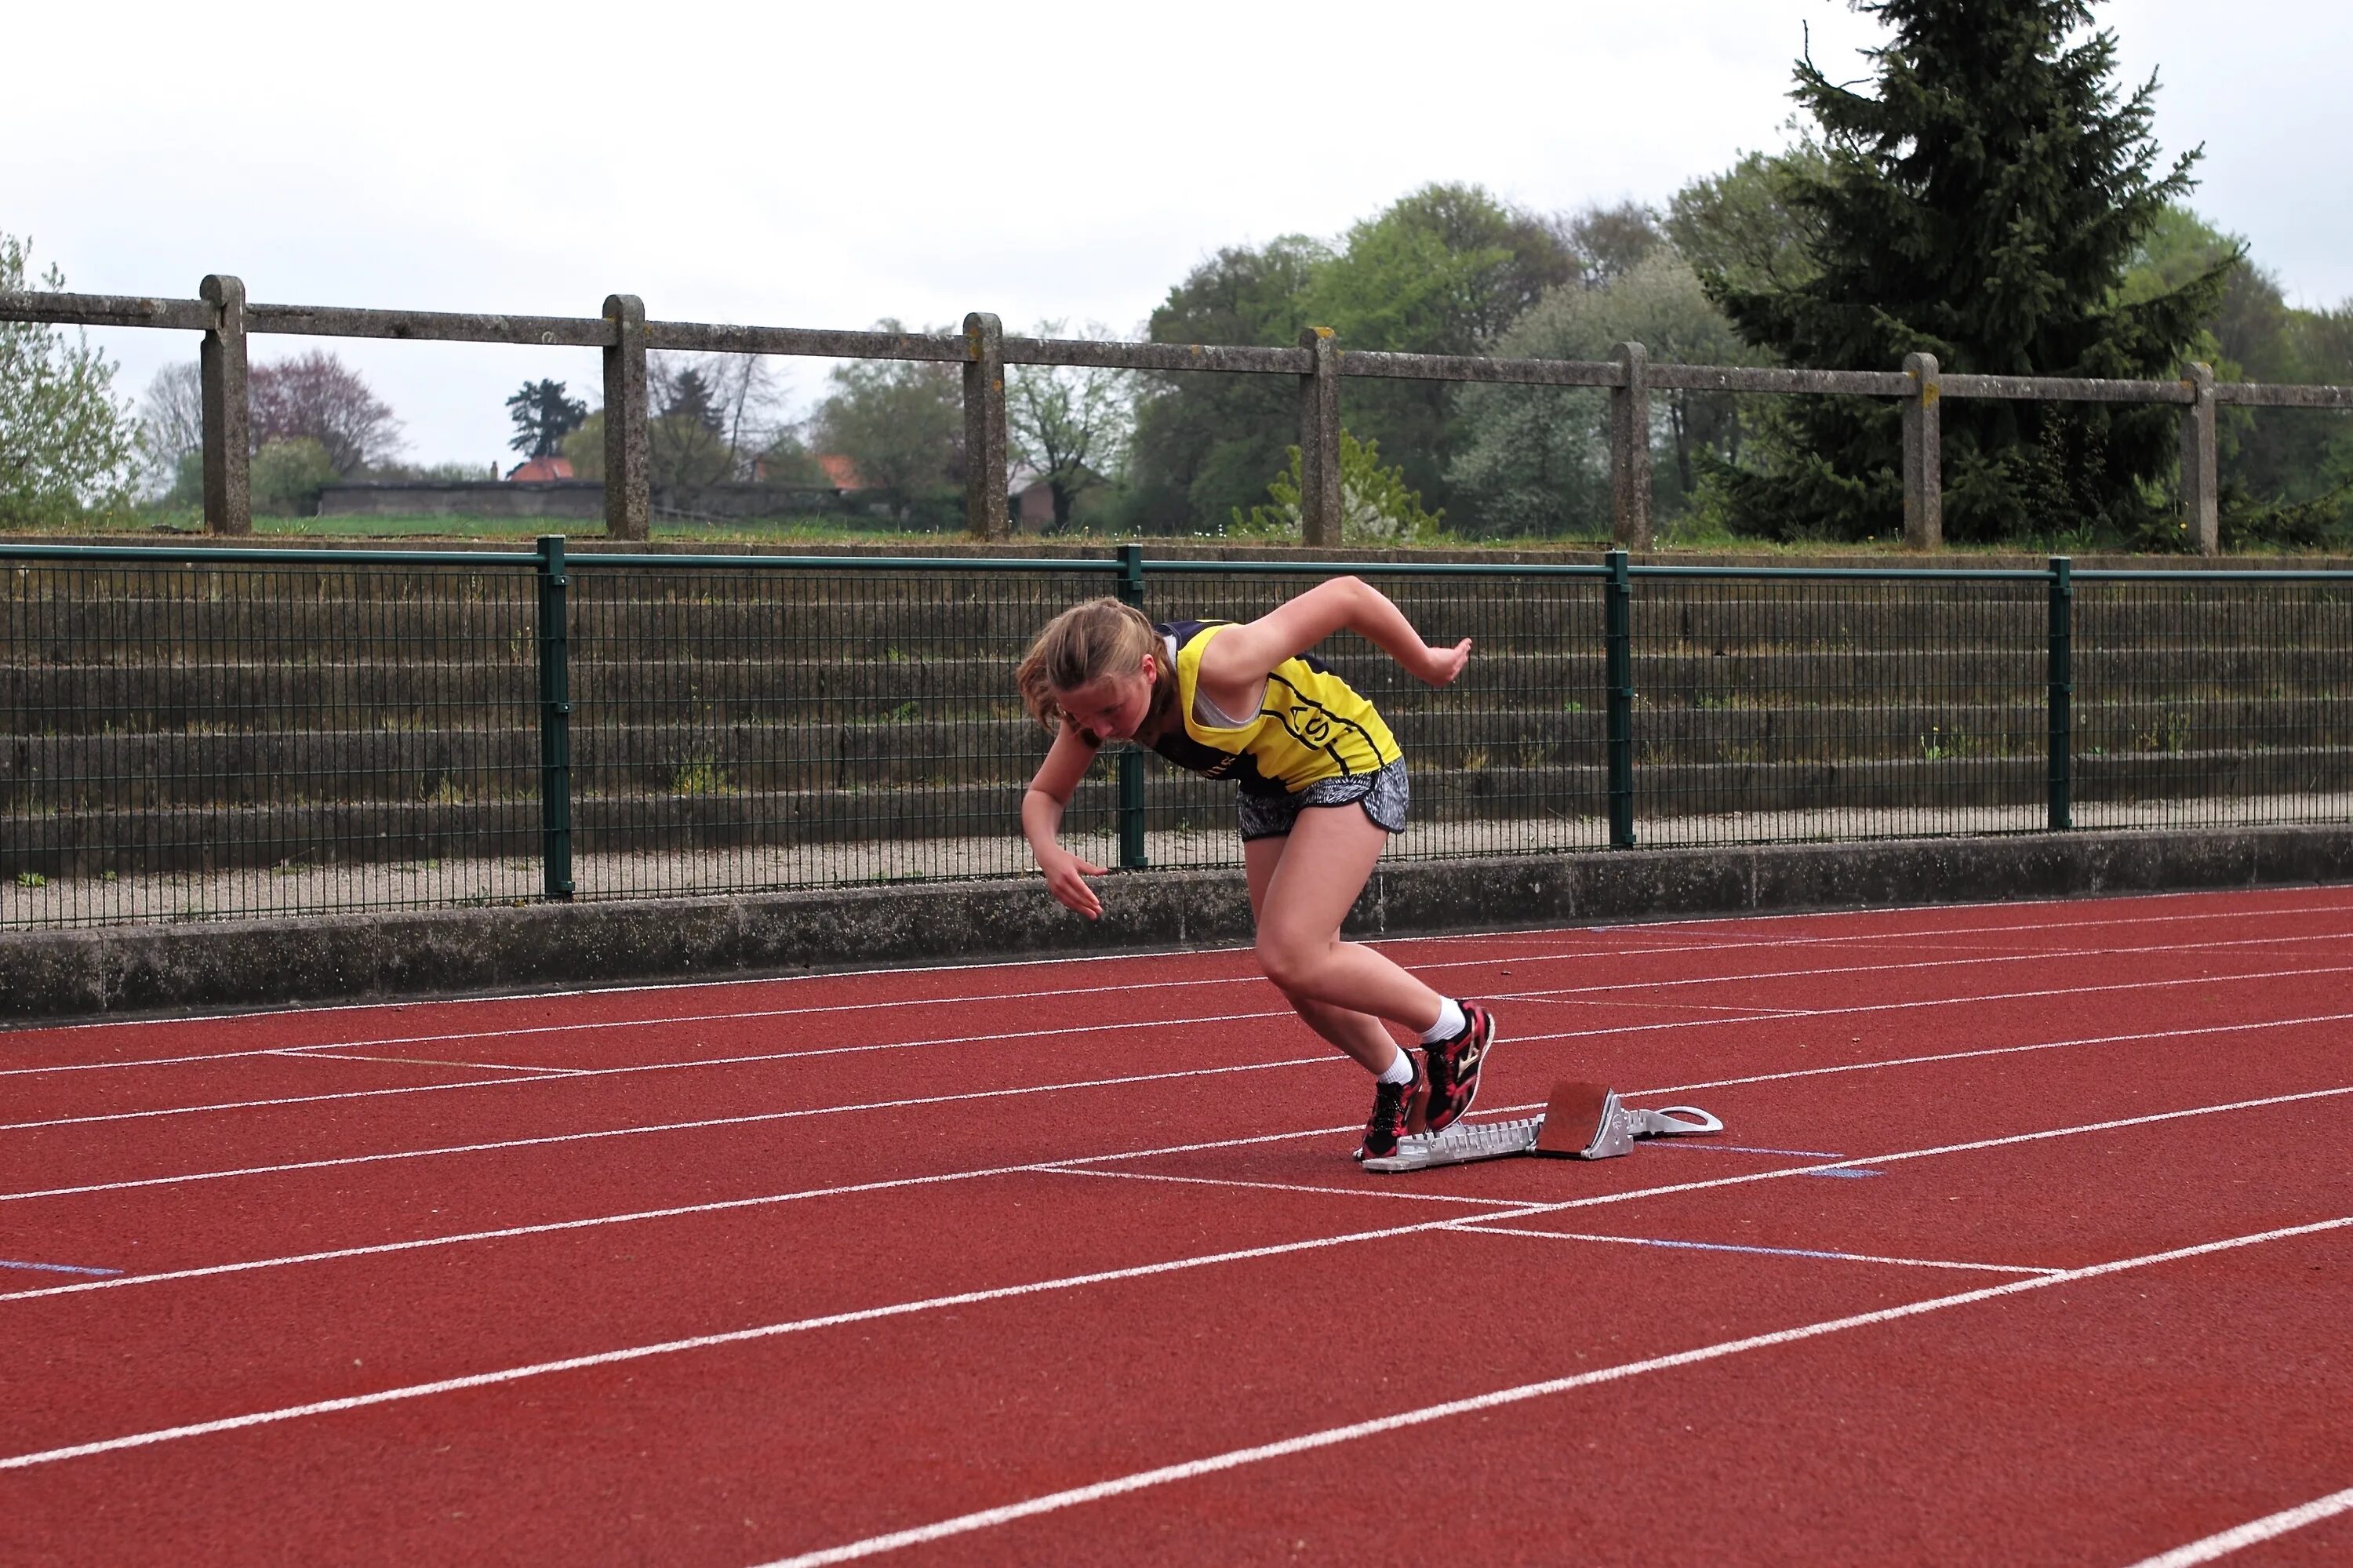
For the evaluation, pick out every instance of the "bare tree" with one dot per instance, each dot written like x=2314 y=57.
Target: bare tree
x=171 y=425
x=1608 y=242
x=318 y=395
x=714 y=414
x=1071 y=424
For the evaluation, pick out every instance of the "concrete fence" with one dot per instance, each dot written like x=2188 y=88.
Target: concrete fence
x=227 y=321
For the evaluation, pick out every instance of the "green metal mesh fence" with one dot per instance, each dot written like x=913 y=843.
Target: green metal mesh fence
x=2215 y=703
x=247 y=740
x=1508 y=760
x=271 y=733
x=757 y=727
x=1827 y=707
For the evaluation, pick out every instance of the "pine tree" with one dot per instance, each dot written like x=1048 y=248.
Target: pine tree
x=542 y=416
x=1982 y=204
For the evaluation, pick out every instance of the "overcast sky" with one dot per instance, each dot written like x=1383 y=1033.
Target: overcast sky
x=825 y=166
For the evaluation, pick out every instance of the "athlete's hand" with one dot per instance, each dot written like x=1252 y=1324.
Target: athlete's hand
x=1065 y=875
x=1441 y=665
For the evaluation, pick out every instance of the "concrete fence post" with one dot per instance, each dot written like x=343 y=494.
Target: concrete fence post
x=1924 y=455
x=628 y=479
x=2201 y=503
x=228 y=415
x=986 y=480
x=1320 y=491
x=1629 y=450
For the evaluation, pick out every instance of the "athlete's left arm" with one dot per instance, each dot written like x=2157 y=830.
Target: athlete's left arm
x=1241 y=657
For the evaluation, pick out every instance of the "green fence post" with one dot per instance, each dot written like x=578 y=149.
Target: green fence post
x=2063 y=693
x=1131 y=761
x=554 y=722
x=1617 y=629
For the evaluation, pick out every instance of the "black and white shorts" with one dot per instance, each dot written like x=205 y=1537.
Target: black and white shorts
x=1385 y=795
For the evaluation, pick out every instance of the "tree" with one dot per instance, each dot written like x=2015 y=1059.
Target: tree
x=1376 y=505
x=1535 y=459
x=542 y=416
x=317 y=395
x=899 y=421
x=171 y=433
x=584 y=449
x=287 y=474
x=1069 y=423
x=64 y=442
x=787 y=461
x=1442 y=270
x=1205 y=442
x=1605 y=243
x=1982 y=205
x=1745 y=228
x=712 y=415
x=2281 y=480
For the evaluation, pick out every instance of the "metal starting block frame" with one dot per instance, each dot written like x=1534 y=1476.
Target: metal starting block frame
x=1582 y=1121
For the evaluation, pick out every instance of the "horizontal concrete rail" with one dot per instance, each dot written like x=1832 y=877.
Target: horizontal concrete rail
x=625 y=334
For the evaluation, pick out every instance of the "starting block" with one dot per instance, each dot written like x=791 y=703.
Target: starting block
x=1582 y=1121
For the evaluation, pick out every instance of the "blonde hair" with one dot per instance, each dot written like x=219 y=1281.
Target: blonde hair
x=1082 y=644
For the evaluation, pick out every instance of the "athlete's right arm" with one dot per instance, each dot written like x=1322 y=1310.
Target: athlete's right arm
x=1066 y=763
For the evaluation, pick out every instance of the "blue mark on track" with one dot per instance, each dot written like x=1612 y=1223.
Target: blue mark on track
x=1845 y=1173
x=1741 y=1148
x=56 y=1267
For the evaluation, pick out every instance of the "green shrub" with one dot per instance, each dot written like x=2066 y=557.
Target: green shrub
x=287 y=477
x=1376 y=505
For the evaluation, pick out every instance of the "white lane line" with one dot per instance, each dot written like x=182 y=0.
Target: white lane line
x=432 y=1062
x=721 y=1204
x=1330 y=1436
x=595 y=1026
x=1578 y=954
x=1987 y=1051
x=606 y=1358
x=1391 y=1193
x=1972 y=961
x=705 y=1341
x=2252 y=1532
x=1523 y=1211
x=697 y=1125
x=766 y=1056
x=706 y=1122
x=1478 y=1225
x=1606 y=1032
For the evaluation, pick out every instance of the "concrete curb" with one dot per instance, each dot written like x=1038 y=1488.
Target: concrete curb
x=352 y=958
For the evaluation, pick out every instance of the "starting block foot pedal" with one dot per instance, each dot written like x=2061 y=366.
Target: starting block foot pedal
x=1582 y=1121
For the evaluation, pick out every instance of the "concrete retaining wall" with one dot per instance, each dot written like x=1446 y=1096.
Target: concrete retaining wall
x=58 y=975
x=569 y=499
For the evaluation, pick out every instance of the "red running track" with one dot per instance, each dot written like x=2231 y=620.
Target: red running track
x=2028 y=1242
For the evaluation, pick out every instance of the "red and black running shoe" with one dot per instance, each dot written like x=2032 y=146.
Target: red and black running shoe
x=1395 y=1109
x=1454 y=1066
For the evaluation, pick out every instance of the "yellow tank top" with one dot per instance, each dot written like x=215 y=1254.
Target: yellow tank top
x=1311 y=725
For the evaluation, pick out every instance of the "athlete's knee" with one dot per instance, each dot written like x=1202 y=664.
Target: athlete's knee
x=1291 y=962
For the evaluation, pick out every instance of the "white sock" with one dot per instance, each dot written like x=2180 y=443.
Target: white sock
x=1400 y=1071
x=1449 y=1024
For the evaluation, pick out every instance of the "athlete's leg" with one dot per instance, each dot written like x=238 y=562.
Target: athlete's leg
x=1321 y=871
x=1360 y=1035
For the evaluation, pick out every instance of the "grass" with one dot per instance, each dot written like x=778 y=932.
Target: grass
x=1691 y=536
